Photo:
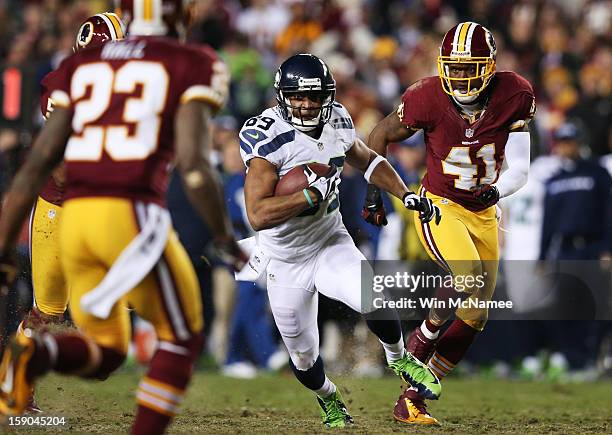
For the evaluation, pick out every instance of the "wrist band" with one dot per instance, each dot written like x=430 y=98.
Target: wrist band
x=372 y=166
x=308 y=198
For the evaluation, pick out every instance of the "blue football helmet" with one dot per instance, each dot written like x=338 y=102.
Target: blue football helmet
x=305 y=73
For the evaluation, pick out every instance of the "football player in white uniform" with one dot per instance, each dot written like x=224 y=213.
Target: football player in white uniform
x=301 y=236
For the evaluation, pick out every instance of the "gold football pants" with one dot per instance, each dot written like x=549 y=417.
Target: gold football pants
x=466 y=244
x=50 y=289
x=94 y=233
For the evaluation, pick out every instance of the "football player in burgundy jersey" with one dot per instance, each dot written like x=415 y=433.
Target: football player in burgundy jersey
x=120 y=112
x=50 y=290
x=474 y=119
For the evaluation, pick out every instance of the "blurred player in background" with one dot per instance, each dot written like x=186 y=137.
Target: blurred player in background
x=302 y=234
x=474 y=121
x=115 y=112
x=50 y=289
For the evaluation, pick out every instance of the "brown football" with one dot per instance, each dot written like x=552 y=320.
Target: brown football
x=295 y=180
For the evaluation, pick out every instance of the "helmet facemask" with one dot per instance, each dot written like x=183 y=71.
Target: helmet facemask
x=475 y=84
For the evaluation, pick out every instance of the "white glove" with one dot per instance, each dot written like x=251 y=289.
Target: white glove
x=323 y=186
x=425 y=206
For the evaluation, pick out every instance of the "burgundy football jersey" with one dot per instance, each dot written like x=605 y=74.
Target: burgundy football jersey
x=52 y=192
x=124 y=96
x=461 y=155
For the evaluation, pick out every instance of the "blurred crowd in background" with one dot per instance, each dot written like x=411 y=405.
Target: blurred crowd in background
x=375 y=49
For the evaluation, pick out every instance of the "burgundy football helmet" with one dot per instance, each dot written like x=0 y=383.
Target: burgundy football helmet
x=98 y=29
x=154 y=17
x=467 y=43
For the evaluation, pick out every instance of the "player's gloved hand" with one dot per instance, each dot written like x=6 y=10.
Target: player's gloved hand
x=425 y=206
x=487 y=194
x=323 y=186
x=373 y=209
x=229 y=252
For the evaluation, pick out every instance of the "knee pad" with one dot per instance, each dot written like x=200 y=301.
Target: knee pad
x=303 y=360
x=287 y=321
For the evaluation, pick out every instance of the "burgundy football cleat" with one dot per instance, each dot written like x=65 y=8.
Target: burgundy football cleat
x=420 y=346
x=411 y=408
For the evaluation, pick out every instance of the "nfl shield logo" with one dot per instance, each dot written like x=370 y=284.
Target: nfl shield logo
x=320 y=146
x=469 y=132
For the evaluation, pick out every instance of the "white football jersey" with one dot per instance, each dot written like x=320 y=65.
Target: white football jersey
x=270 y=137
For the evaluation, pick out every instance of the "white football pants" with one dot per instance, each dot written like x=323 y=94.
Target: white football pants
x=335 y=271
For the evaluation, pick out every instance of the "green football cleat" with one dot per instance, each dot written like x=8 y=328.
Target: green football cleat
x=418 y=375
x=333 y=411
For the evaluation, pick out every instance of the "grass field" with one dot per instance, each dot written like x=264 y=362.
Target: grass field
x=278 y=404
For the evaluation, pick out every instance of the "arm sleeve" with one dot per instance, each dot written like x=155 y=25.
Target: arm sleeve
x=517 y=160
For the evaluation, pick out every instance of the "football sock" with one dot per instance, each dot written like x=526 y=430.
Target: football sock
x=452 y=347
x=73 y=354
x=313 y=378
x=430 y=330
x=327 y=389
x=162 y=389
x=394 y=352
x=388 y=329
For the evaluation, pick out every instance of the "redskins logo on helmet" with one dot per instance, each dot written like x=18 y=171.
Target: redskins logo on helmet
x=472 y=44
x=98 y=29
x=155 y=17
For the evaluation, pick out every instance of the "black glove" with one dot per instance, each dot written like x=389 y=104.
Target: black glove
x=229 y=252
x=373 y=209
x=425 y=206
x=487 y=194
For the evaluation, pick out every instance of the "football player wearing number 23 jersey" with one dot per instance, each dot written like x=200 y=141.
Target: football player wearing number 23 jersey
x=475 y=120
x=50 y=290
x=121 y=111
